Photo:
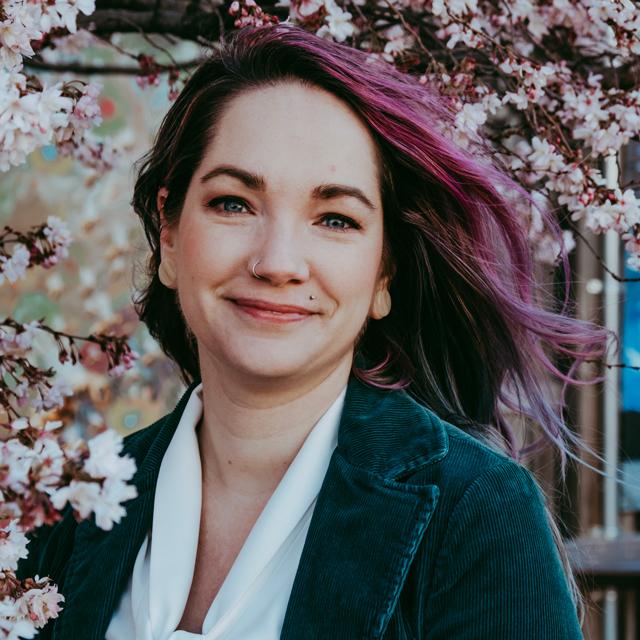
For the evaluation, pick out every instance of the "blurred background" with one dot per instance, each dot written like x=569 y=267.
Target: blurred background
x=92 y=291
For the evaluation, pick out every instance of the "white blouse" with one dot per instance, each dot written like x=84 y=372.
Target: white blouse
x=252 y=600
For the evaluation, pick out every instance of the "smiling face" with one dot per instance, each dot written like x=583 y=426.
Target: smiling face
x=290 y=182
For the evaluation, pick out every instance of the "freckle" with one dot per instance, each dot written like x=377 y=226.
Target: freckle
x=228 y=461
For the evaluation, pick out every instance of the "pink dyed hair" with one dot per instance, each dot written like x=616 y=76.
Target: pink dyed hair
x=466 y=336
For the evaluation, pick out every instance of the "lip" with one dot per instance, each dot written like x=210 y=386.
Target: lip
x=264 y=305
x=270 y=312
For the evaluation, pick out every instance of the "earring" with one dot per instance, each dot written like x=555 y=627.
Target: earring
x=381 y=304
x=167 y=274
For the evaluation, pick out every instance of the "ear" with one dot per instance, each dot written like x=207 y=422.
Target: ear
x=381 y=304
x=166 y=236
x=167 y=270
x=161 y=198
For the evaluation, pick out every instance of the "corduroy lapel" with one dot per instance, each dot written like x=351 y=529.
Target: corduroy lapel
x=367 y=523
x=102 y=561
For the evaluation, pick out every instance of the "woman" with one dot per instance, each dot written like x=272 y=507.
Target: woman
x=351 y=301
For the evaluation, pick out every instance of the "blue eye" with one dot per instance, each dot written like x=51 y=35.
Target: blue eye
x=224 y=200
x=231 y=205
x=345 y=222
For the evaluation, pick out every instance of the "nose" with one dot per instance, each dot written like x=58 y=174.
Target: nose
x=281 y=254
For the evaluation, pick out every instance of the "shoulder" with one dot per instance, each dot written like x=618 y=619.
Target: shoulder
x=461 y=463
x=479 y=487
x=482 y=487
x=491 y=548
x=391 y=434
x=491 y=518
x=470 y=465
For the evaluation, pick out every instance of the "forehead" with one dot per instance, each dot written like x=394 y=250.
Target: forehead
x=295 y=134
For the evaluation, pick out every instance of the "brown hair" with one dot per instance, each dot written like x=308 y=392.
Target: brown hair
x=465 y=336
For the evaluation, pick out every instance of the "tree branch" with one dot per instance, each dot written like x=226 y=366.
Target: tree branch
x=205 y=21
x=77 y=67
x=187 y=19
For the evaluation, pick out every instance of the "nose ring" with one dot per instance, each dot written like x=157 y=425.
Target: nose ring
x=253 y=270
x=259 y=277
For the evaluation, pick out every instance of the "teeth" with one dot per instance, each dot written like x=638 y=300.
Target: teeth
x=281 y=313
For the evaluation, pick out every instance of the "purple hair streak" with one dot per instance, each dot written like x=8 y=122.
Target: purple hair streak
x=467 y=335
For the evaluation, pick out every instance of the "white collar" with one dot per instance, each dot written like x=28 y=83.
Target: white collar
x=176 y=518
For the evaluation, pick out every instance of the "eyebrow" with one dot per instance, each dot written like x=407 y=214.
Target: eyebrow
x=258 y=183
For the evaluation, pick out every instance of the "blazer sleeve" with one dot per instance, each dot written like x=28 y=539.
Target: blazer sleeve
x=498 y=574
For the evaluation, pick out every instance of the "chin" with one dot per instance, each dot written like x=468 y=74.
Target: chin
x=260 y=363
x=275 y=371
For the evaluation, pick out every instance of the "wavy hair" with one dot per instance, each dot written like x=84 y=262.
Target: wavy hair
x=467 y=335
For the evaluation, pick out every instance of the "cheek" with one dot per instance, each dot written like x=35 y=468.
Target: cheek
x=204 y=255
x=353 y=277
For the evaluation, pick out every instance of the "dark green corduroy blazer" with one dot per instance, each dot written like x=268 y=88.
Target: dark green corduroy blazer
x=419 y=531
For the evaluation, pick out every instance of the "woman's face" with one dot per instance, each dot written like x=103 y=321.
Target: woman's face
x=289 y=180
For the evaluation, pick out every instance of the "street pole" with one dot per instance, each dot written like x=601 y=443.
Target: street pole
x=611 y=403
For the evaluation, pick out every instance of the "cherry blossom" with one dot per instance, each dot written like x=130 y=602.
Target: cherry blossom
x=596 y=120
x=309 y=7
x=529 y=77
x=18 y=28
x=80 y=494
x=51 y=459
x=42 y=245
x=57 y=233
x=52 y=397
x=13 y=546
x=338 y=23
x=41 y=470
x=12 y=628
x=14 y=267
x=33 y=114
x=109 y=509
x=40 y=605
x=102 y=499
x=544 y=156
x=467 y=122
x=104 y=458
x=398 y=41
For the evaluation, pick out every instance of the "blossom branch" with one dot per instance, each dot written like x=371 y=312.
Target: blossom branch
x=32 y=384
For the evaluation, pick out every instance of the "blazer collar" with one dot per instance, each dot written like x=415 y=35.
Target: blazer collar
x=364 y=532
x=385 y=432
x=388 y=433
x=367 y=523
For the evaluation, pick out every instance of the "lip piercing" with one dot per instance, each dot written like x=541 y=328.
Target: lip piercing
x=259 y=277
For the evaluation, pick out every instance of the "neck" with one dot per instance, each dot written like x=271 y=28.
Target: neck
x=251 y=430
